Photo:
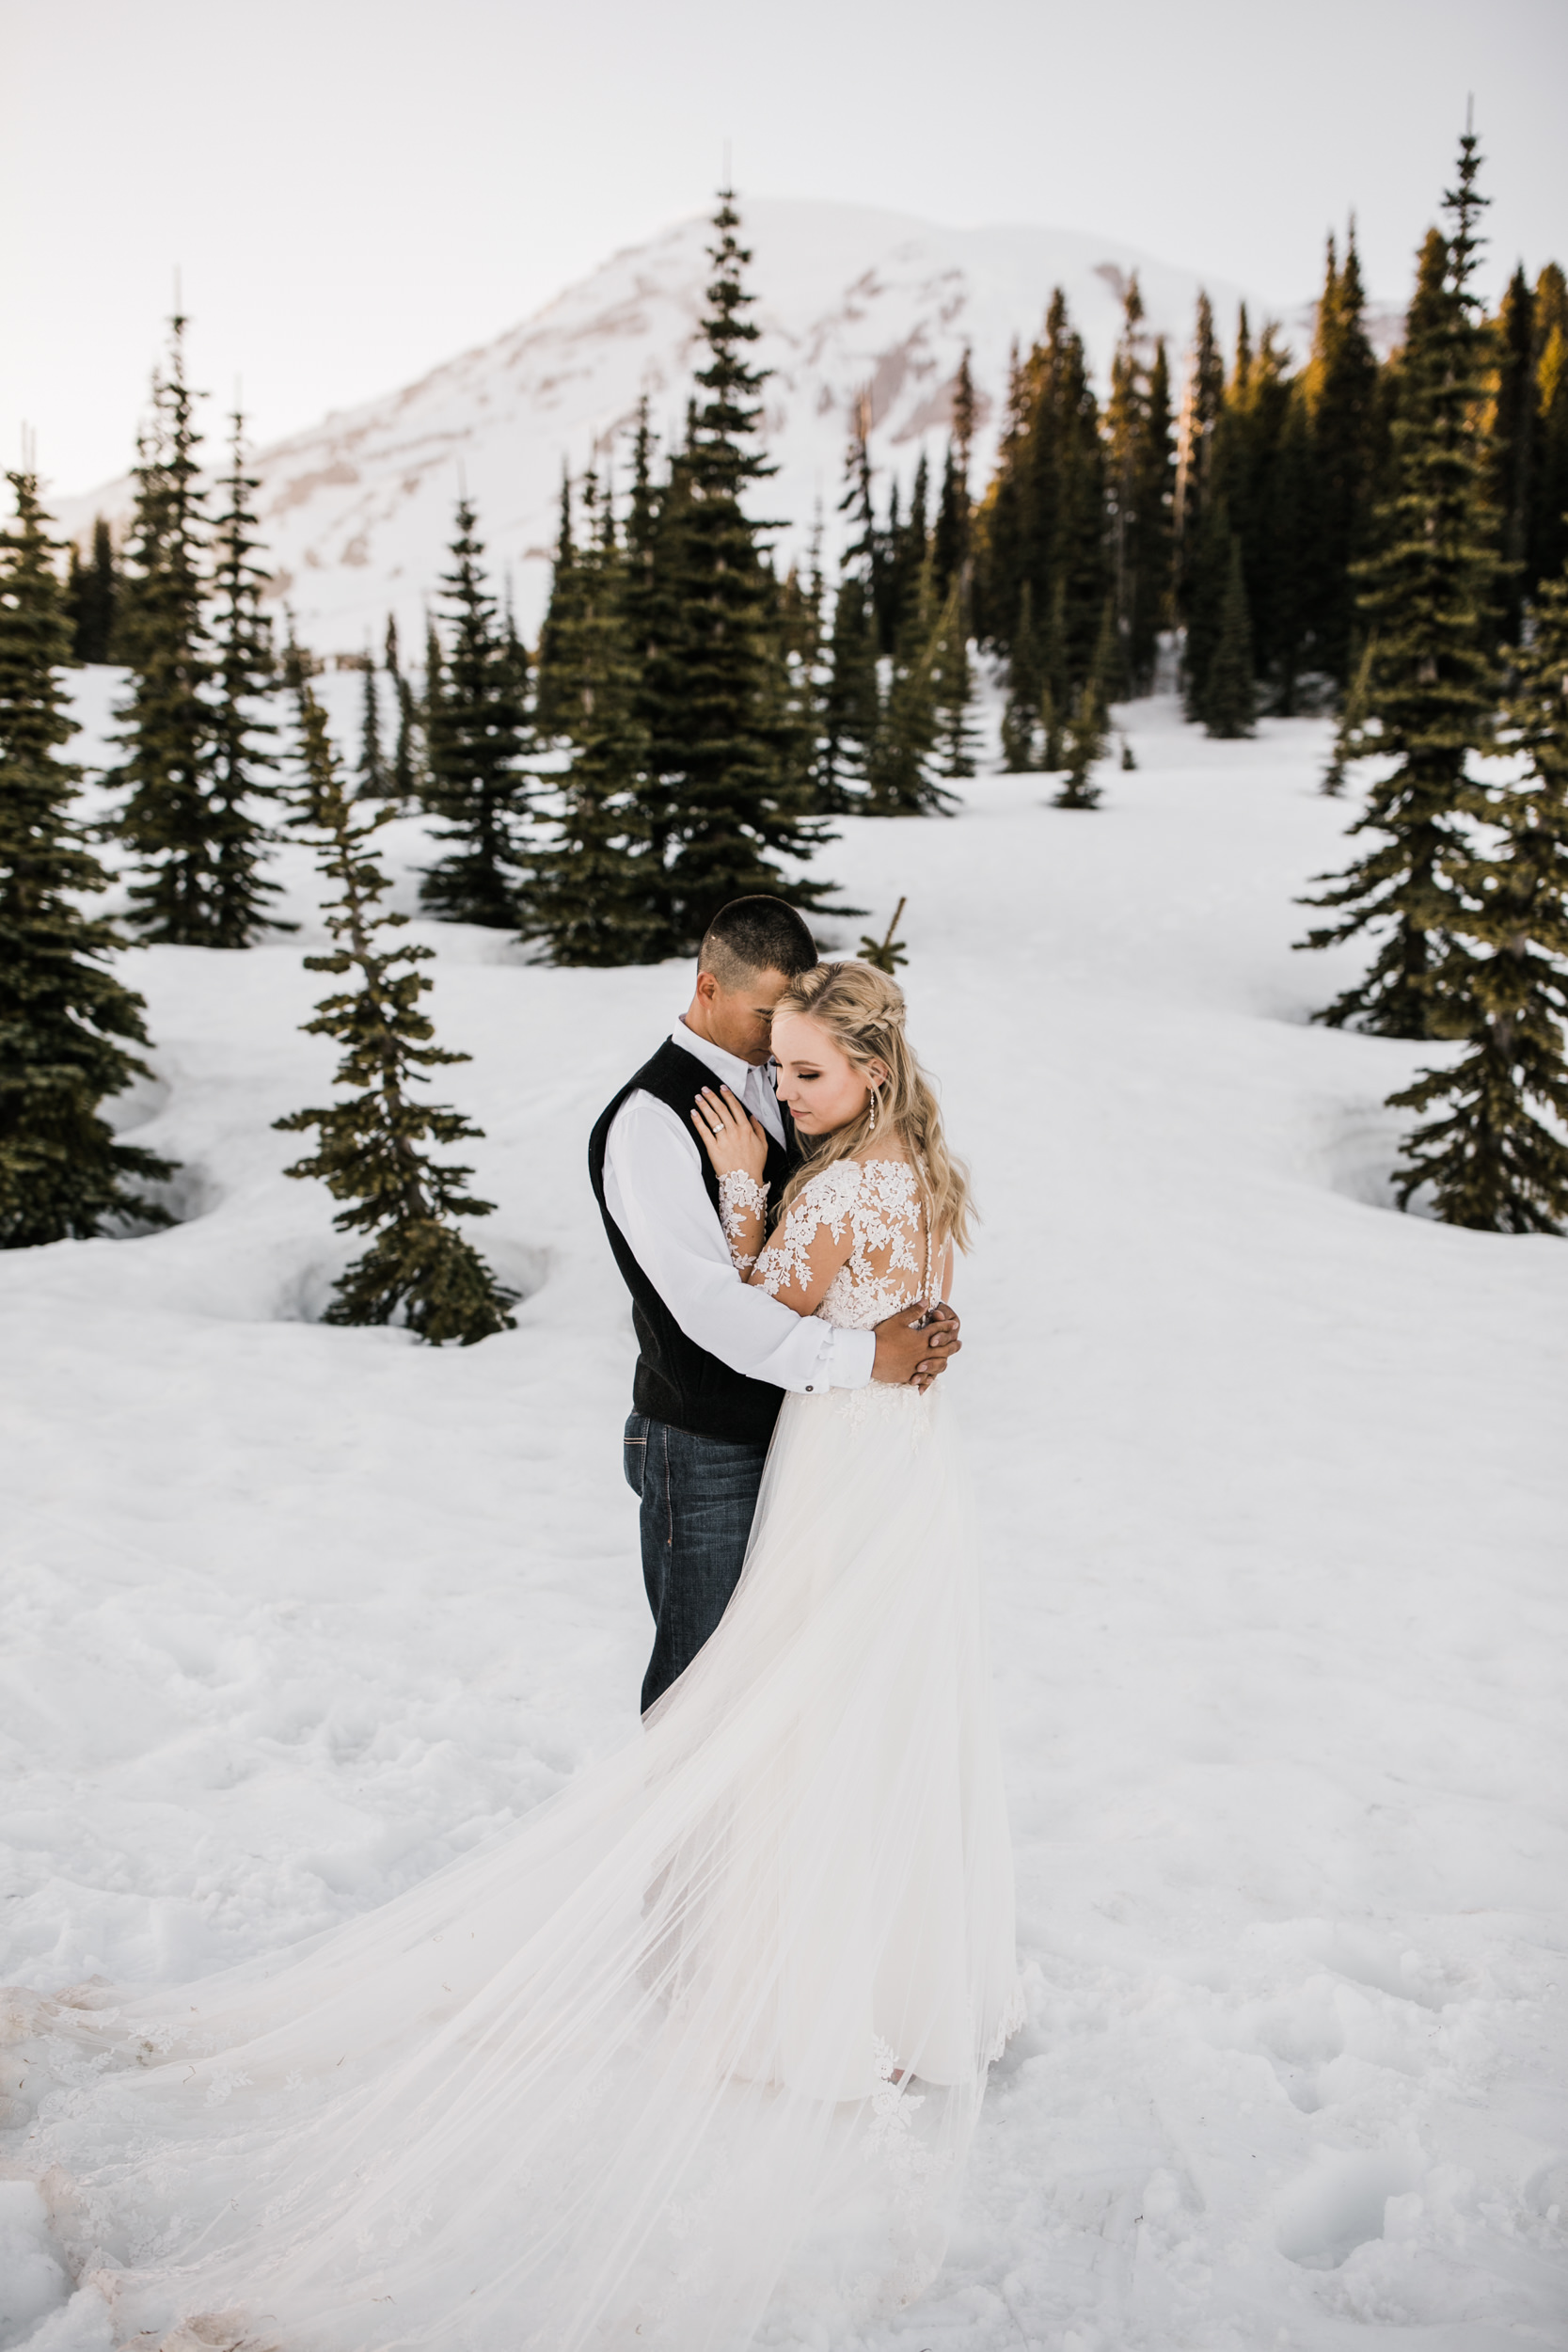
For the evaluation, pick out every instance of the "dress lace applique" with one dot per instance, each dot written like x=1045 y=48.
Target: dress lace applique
x=741 y=1197
x=880 y=1205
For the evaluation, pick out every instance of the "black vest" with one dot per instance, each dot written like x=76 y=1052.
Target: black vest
x=677 y=1381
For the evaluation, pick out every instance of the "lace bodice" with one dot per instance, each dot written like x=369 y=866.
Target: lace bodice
x=852 y=1247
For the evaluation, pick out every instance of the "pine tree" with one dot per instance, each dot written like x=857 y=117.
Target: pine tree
x=93 y=595
x=1428 y=598
x=852 y=710
x=1022 y=711
x=477 y=735
x=952 y=538
x=594 y=895
x=168 y=818
x=1084 y=745
x=1140 y=479
x=887 y=953
x=1208 y=580
x=1548 y=537
x=244 y=674
x=952 y=683
x=65 y=1019
x=1228 y=692
x=404 y=783
x=1341 y=389
x=372 y=1147
x=903 y=771
x=733 y=807
x=373 y=777
x=553 y=689
x=1195 y=486
x=1496 y=1156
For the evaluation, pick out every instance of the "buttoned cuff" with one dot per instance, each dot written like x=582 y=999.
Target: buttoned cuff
x=845 y=1359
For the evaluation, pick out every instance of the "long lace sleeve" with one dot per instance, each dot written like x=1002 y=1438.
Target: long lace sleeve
x=814 y=1240
x=853 y=1245
x=743 y=1213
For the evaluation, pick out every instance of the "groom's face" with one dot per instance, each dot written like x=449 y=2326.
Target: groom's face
x=741 y=1018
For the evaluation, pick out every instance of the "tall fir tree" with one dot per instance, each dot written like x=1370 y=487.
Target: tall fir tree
x=1084 y=739
x=952 y=682
x=1140 y=482
x=1510 y=444
x=477 y=737
x=594 y=896
x=1341 y=389
x=1548 y=535
x=731 y=807
x=372 y=1146
x=243 y=766
x=1021 y=712
x=1496 y=1156
x=404 y=780
x=372 y=776
x=1229 y=698
x=1195 y=484
x=903 y=773
x=93 y=595
x=953 y=535
x=168 y=819
x=1428 y=598
x=67 y=1020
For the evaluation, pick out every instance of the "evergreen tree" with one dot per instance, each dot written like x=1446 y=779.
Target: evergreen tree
x=1208 y=580
x=1229 y=694
x=1043 y=517
x=1496 y=1156
x=242 y=764
x=1140 y=479
x=1510 y=443
x=952 y=538
x=477 y=733
x=887 y=953
x=851 y=711
x=1195 y=486
x=372 y=1147
x=168 y=819
x=903 y=771
x=553 y=689
x=1084 y=745
x=1428 y=597
x=373 y=777
x=1548 y=537
x=731 y=804
x=1021 y=713
x=92 y=596
x=404 y=782
x=952 y=683
x=1341 y=389
x=594 y=895
x=65 y=1019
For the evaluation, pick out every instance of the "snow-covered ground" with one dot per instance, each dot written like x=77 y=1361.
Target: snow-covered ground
x=1273 y=1483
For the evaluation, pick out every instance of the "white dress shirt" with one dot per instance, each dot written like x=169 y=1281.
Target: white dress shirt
x=654 y=1189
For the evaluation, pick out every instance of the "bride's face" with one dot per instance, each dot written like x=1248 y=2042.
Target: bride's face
x=818 y=1081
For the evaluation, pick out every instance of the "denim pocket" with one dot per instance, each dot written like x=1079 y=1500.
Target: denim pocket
x=634 y=1450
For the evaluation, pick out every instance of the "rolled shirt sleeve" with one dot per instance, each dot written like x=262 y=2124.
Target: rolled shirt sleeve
x=654 y=1189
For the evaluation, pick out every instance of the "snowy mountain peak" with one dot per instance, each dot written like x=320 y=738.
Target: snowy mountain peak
x=854 y=304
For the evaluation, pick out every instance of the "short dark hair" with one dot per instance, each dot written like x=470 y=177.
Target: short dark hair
x=752 y=935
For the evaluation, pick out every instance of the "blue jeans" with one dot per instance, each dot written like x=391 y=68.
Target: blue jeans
x=699 y=1496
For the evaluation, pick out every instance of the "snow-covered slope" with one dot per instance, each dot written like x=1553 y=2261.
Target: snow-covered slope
x=1273 y=1484
x=852 y=301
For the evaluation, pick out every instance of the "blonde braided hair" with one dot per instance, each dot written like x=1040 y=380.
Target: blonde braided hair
x=862 y=1011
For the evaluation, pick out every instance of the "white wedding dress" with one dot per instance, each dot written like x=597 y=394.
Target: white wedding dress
x=692 y=2056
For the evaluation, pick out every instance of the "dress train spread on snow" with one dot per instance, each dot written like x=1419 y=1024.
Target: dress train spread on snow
x=695 y=2050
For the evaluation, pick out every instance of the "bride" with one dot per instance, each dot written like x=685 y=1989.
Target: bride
x=697 y=2050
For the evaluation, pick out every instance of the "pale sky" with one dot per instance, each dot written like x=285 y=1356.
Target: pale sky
x=356 y=190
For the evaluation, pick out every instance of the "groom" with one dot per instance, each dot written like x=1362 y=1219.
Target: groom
x=715 y=1353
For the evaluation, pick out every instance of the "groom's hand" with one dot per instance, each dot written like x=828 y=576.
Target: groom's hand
x=915 y=1344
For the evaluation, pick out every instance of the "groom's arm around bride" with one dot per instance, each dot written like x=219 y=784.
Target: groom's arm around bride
x=715 y=1353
